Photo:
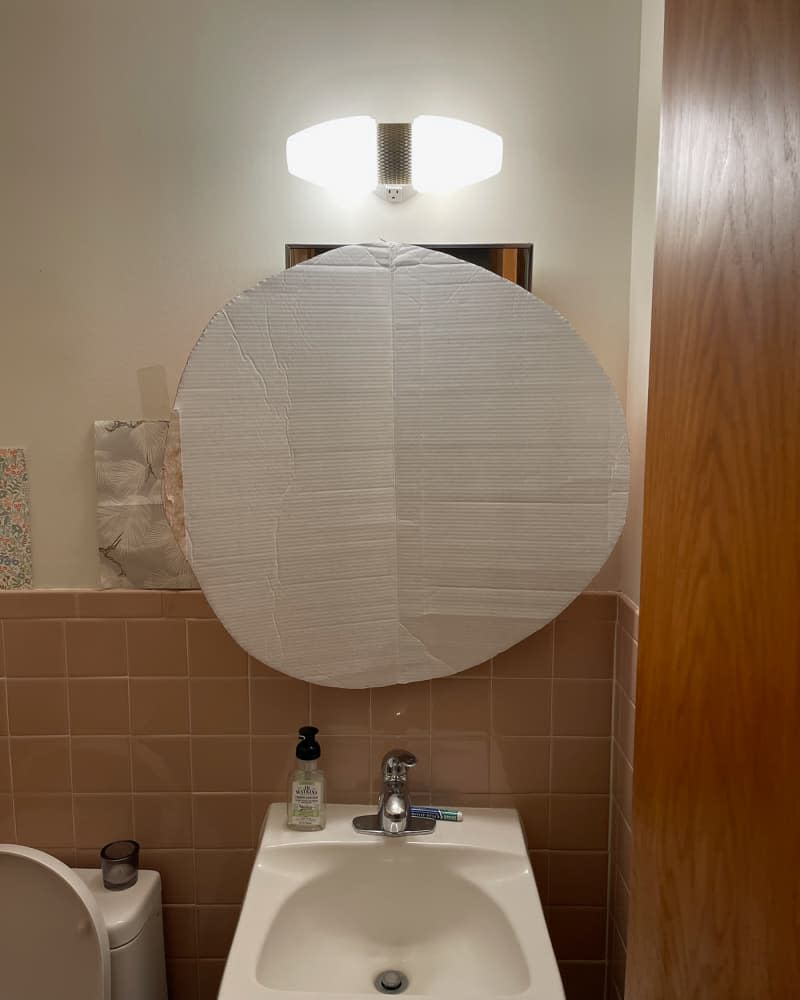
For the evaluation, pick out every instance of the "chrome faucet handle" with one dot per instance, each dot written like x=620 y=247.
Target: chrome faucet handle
x=393 y=818
x=396 y=763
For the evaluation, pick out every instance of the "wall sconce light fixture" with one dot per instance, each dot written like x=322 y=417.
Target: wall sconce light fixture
x=432 y=154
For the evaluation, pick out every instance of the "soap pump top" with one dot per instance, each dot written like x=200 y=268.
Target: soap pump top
x=308 y=748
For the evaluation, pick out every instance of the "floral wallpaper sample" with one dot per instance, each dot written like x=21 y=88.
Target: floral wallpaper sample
x=135 y=542
x=15 y=521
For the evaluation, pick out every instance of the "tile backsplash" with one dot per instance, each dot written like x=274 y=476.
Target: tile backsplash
x=133 y=713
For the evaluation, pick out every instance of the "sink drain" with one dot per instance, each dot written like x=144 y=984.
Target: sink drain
x=391 y=981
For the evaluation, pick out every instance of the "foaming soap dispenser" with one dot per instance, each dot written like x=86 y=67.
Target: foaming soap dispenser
x=305 y=808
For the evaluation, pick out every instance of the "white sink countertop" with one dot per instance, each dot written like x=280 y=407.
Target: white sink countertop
x=456 y=911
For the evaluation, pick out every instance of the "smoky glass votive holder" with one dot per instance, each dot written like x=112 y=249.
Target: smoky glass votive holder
x=120 y=863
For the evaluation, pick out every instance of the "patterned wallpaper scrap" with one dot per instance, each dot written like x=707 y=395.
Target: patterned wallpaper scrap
x=15 y=521
x=136 y=545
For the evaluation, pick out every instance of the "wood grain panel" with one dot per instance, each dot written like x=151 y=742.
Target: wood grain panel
x=716 y=891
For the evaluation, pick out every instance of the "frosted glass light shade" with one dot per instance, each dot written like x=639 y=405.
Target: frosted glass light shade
x=447 y=154
x=341 y=154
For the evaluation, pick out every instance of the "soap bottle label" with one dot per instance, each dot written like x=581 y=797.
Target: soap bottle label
x=305 y=803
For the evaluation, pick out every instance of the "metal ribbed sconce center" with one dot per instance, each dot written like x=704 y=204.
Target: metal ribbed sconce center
x=394 y=153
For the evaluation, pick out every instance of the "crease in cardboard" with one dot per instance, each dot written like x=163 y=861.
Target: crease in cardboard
x=396 y=465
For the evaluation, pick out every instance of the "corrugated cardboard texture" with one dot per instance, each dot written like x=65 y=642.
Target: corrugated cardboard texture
x=395 y=466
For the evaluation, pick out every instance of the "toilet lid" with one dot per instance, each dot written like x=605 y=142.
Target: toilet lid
x=53 y=942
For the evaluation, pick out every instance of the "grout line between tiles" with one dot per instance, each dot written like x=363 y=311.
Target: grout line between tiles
x=622 y=943
x=130 y=729
x=191 y=776
x=250 y=750
x=14 y=829
x=550 y=752
x=68 y=694
x=612 y=735
x=616 y=744
x=87 y=795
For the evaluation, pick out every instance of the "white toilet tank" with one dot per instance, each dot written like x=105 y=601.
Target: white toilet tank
x=64 y=936
x=135 y=928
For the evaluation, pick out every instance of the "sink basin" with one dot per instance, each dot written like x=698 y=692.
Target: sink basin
x=456 y=913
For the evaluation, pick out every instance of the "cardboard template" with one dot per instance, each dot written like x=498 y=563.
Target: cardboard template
x=395 y=465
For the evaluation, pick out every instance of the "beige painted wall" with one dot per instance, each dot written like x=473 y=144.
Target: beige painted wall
x=144 y=184
x=642 y=249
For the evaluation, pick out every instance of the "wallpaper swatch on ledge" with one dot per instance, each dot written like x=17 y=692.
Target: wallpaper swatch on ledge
x=135 y=542
x=15 y=523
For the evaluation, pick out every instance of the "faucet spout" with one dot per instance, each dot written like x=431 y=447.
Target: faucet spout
x=395 y=811
x=394 y=817
x=395 y=802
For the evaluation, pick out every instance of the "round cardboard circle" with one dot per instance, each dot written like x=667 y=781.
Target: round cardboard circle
x=394 y=466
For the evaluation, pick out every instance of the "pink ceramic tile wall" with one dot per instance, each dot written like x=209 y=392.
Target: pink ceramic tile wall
x=135 y=714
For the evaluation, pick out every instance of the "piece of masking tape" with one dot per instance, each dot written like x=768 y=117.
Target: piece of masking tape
x=153 y=393
x=172 y=485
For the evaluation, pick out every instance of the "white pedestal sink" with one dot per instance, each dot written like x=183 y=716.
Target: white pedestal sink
x=456 y=913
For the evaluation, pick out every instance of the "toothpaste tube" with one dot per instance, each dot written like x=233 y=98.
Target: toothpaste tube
x=434 y=812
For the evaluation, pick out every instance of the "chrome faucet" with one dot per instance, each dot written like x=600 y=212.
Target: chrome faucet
x=394 y=818
x=394 y=806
